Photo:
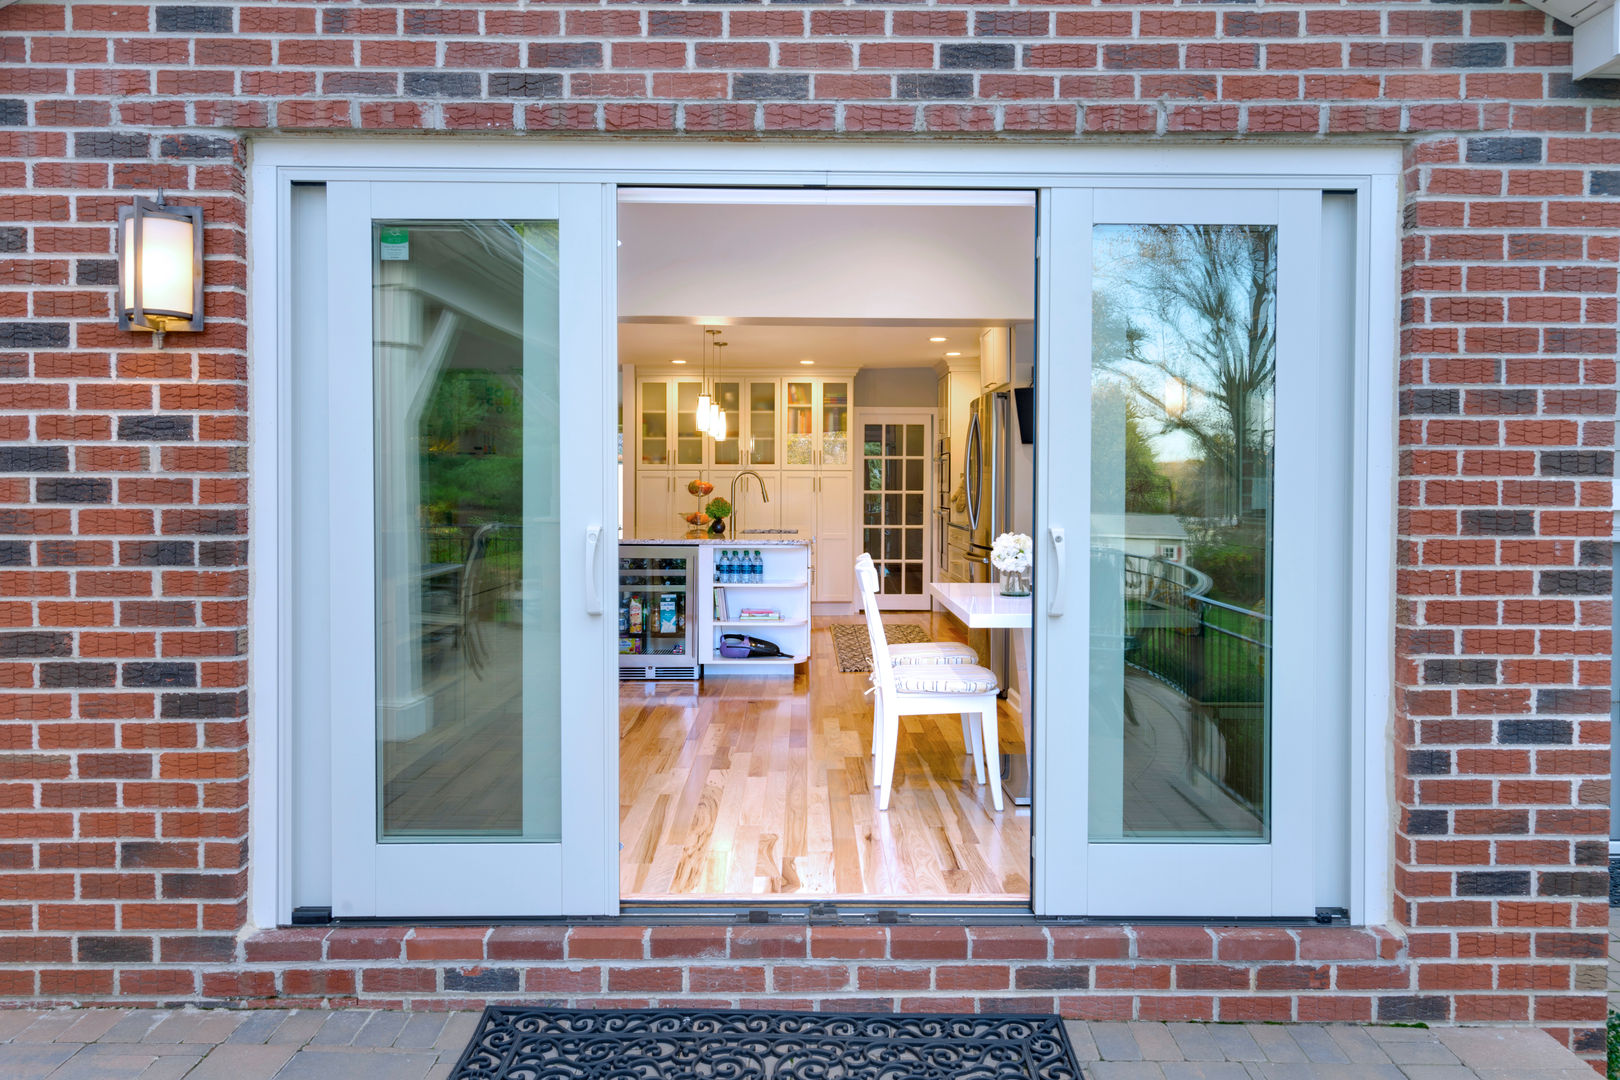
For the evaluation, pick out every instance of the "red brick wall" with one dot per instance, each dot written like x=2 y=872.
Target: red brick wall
x=123 y=513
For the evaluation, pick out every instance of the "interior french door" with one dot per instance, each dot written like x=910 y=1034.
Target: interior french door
x=1190 y=593
x=472 y=515
x=894 y=504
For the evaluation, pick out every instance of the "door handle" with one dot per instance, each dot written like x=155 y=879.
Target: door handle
x=593 y=569
x=1060 y=558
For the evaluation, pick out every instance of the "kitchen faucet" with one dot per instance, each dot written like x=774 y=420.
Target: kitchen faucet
x=764 y=496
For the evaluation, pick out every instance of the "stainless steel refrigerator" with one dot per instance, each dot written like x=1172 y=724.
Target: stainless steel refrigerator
x=987 y=476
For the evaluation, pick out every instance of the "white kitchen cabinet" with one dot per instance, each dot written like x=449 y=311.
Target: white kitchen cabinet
x=815 y=421
x=822 y=506
x=727 y=452
x=835 y=537
x=667 y=434
x=761 y=435
x=799 y=508
x=658 y=506
x=794 y=431
x=995 y=357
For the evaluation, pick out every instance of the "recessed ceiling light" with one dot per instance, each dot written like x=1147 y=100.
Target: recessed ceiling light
x=677 y=361
x=807 y=363
x=936 y=339
x=953 y=354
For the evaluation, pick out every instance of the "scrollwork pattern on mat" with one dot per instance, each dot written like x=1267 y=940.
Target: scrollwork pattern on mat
x=699 y=1044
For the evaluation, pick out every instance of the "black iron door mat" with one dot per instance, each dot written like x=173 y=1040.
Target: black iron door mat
x=705 y=1044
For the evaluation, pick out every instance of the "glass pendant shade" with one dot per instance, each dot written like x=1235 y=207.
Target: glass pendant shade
x=159 y=267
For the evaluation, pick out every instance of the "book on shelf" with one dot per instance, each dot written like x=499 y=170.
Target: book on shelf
x=760 y=615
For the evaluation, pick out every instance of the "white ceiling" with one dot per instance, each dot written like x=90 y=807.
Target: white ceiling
x=753 y=346
x=851 y=279
x=811 y=262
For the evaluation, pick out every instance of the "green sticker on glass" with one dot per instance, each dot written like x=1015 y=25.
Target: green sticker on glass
x=395 y=245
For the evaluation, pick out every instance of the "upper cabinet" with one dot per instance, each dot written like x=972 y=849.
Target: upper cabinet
x=815 y=422
x=995 y=357
x=763 y=395
x=803 y=423
x=669 y=432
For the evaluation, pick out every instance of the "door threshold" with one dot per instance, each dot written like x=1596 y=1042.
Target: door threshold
x=831 y=912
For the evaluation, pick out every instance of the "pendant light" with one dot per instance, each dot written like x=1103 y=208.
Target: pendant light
x=718 y=427
x=705 y=403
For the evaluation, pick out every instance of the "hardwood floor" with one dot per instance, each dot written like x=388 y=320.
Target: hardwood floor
x=762 y=786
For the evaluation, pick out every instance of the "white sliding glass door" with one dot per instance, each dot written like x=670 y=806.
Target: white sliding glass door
x=1193 y=652
x=472 y=512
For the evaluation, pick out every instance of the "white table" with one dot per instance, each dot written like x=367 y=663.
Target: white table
x=980 y=606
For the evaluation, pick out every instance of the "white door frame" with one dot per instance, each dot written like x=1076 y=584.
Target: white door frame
x=903 y=414
x=1370 y=171
x=1235 y=878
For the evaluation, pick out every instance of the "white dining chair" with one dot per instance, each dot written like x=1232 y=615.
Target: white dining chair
x=917 y=689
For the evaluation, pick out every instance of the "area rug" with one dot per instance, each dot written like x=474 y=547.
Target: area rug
x=854 y=647
x=691 y=1044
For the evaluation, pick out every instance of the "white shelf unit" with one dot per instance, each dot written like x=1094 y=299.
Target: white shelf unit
x=785 y=588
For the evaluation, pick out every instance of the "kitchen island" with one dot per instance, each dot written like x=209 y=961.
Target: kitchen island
x=675 y=611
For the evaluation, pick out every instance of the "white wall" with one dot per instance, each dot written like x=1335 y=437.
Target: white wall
x=895 y=388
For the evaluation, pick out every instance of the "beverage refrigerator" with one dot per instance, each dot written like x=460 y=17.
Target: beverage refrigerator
x=657 y=622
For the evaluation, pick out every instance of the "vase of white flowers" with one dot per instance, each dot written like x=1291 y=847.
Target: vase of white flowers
x=1012 y=556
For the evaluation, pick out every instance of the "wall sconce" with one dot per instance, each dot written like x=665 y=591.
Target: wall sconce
x=160 y=267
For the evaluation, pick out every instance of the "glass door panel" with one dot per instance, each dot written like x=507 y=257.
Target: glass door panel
x=762 y=422
x=799 y=421
x=893 y=507
x=1192 y=563
x=835 y=423
x=466 y=418
x=1183 y=397
x=729 y=397
x=655 y=431
x=688 y=439
x=457 y=581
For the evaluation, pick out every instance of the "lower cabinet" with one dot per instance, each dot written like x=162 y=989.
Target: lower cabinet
x=658 y=508
x=822 y=506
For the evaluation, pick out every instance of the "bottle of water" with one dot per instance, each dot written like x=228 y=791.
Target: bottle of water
x=731 y=568
x=759 y=567
x=722 y=566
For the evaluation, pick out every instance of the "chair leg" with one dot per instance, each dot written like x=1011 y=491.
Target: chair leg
x=992 y=750
x=877 y=732
x=975 y=748
x=891 y=743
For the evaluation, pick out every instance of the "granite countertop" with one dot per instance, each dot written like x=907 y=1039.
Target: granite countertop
x=725 y=541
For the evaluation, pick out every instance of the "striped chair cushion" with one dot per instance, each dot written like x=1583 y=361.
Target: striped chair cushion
x=943 y=679
x=932 y=652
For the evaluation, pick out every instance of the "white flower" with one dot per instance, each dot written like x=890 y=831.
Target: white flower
x=1012 y=553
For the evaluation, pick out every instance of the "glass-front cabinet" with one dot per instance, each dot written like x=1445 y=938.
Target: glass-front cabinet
x=669 y=431
x=834 y=423
x=762 y=398
x=813 y=430
x=728 y=451
x=815 y=413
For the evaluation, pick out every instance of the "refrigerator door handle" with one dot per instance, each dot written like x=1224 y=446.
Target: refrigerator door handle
x=971 y=476
x=1060 y=557
x=593 y=569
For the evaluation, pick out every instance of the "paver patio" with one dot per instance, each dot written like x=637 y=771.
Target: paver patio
x=362 y=1044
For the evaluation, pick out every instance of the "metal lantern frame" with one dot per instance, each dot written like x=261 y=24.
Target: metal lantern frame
x=132 y=312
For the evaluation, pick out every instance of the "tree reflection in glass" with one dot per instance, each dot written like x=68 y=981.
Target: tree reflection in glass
x=1184 y=355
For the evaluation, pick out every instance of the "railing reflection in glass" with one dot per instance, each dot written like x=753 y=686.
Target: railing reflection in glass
x=1182 y=401
x=467 y=467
